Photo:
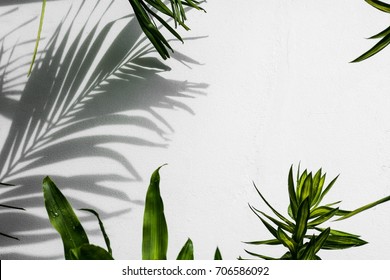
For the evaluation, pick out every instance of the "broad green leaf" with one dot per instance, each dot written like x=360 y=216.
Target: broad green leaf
x=381 y=34
x=63 y=218
x=217 y=255
x=382 y=6
x=306 y=189
x=363 y=208
x=89 y=252
x=38 y=36
x=106 y=239
x=375 y=49
x=286 y=240
x=187 y=252
x=342 y=242
x=301 y=223
x=155 y=231
x=292 y=194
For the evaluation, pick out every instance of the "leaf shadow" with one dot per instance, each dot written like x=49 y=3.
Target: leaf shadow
x=94 y=80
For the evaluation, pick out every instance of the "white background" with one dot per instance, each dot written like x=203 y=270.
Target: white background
x=277 y=89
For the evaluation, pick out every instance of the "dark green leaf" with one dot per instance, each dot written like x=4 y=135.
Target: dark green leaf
x=260 y=256
x=272 y=230
x=327 y=189
x=63 y=218
x=323 y=218
x=292 y=194
x=317 y=187
x=275 y=221
x=286 y=240
x=89 y=252
x=155 y=231
x=106 y=239
x=265 y=242
x=342 y=242
x=384 y=7
x=375 y=49
x=381 y=34
x=306 y=190
x=321 y=239
x=301 y=223
x=187 y=252
x=217 y=255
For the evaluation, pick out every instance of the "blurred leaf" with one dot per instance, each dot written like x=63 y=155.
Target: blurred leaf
x=38 y=36
x=89 y=252
x=187 y=252
x=384 y=7
x=306 y=189
x=155 y=231
x=217 y=255
x=106 y=239
x=63 y=218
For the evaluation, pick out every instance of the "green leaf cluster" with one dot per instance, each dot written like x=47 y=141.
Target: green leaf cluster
x=384 y=35
x=301 y=232
x=75 y=240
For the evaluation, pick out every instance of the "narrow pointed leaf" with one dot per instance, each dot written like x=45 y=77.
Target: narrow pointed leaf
x=306 y=189
x=317 y=188
x=308 y=253
x=187 y=252
x=342 y=242
x=217 y=255
x=292 y=194
x=265 y=242
x=375 y=49
x=155 y=231
x=327 y=189
x=363 y=208
x=286 y=240
x=321 y=239
x=63 y=218
x=302 y=218
x=260 y=256
x=381 y=34
x=323 y=218
x=106 y=238
x=89 y=252
x=38 y=36
x=271 y=229
x=384 y=7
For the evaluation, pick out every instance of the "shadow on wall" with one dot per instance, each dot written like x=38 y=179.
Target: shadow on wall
x=71 y=90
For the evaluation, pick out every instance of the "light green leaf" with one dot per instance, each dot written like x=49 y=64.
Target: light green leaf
x=187 y=252
x=327 y=189
x=89 y=252
x=363 y=208
x=323 y=218
x=286 y=240
x=155 y=231
x=38 y=36
x=63 y=218
x=106 y=239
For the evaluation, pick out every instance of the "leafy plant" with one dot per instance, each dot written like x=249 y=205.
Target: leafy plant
x=146 y=12
x=75 y=239
x=384 y=35
x=303 y=234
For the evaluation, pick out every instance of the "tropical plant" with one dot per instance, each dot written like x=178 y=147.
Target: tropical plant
x=147 y=13
x=384 y=35
x=9 y=207
x=75 y=239
x=303 y=234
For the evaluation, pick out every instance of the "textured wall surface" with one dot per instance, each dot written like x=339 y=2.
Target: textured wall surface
x=257 y=86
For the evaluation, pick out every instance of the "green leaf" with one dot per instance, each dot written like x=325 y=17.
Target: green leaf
x=187 y=252
x=342 y=242
x=38 y=36
x=381 y=34
x=275 y=221
x=63 y=218
x=323 y=218
x=301 y=223
x=89 y=252
x=265 y=242
x=292 y=194
x=106 y=239
x=321 y=239
x=307 y=253
x=286 y=240
x=260 y=256
x=327 y=189
x=375 y=49
x=384 y=7
x=363 y=208
x=217 y=255
x=307 y=187
x=155 y=231
x=318 y=182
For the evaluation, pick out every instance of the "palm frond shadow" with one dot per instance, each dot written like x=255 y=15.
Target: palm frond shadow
x=78 y=85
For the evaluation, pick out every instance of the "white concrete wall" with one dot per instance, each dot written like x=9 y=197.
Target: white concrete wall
x=270 y=85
